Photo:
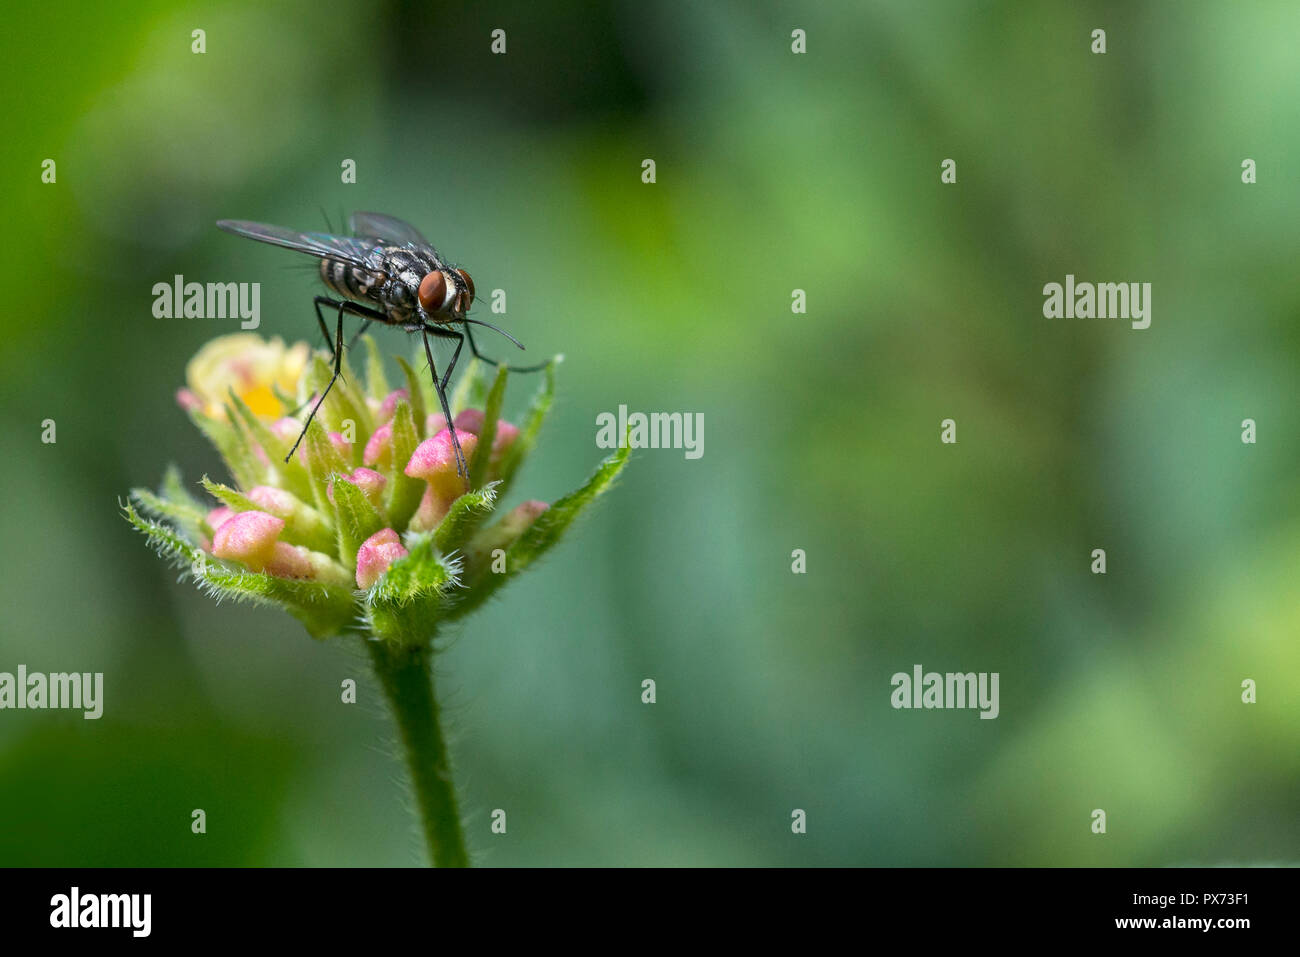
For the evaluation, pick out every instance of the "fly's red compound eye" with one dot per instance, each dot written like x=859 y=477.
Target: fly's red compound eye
x=469 y=283
x=433 y=291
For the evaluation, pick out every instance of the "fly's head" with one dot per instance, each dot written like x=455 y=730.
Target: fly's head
x=445 y=294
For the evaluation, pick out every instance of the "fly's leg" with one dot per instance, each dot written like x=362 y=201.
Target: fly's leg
x=336 y=347
x=493 y=362
x=324 y=330
x=460 y=343
x=441 y=389
x=329 y=343
x=338 y=367
x=359 y=333
x=352 y=309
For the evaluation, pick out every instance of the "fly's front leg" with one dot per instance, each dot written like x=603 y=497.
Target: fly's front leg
x=493 y=362
x=460 y=343
x=441 y=389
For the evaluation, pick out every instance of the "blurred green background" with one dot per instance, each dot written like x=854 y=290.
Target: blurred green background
x=775 y=172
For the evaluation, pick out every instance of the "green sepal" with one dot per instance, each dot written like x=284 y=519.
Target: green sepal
x=478 y=466
x=415 y=395
x=423 y=381
x=376 y=379
x=190 y=519
x=324 y=610
x=318 y=538
x=323 y=461
x=287 y=402
x=540 y=537
x=291 y=475
x=464 y=517
x=234 y=448
x=527 y=438
x=343 y=402
x=404 y=606
x=402 y=494
x=355 y=518
x=470 y=391
x=173 y=489
x=231 y=498
x=353 y=400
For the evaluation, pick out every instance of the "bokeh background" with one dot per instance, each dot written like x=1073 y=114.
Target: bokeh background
x=775 y=171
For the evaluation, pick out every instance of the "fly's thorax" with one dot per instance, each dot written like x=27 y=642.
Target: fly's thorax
x=404 y=269
x=349 y=281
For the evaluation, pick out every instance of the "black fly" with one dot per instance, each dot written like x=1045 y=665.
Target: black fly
x=386 y=271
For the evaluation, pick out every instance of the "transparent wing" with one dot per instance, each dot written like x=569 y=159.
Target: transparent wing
x=350 y=249
x=388 y=228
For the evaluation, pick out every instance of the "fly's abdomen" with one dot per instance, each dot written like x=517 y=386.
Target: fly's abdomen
x=349 y=281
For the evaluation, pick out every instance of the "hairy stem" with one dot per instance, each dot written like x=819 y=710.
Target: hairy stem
x=407 y=680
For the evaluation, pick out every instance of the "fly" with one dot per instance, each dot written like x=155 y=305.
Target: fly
x=386 y=271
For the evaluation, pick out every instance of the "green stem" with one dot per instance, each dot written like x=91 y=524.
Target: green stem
x=407 y=681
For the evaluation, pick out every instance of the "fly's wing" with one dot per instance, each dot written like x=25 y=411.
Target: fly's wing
x=349 y=249
x=389 y=229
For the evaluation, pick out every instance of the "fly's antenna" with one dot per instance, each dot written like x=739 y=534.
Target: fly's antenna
x=494 y=329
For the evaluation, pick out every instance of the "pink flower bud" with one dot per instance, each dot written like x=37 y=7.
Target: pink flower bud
x=277 y=501
x=379 y=450
x=343 y=446
x=470 y=420
x=522 y=516
x=291 y=561
x=370 y=482
x=252 y=539
x=434 y=460
x=219 y=516
x=248 y=538
x=390 y=403
x=188 y=401
x=505 y=437
x=504 y=533
x=376 y=554
x=286 y=429
x=434 y=423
